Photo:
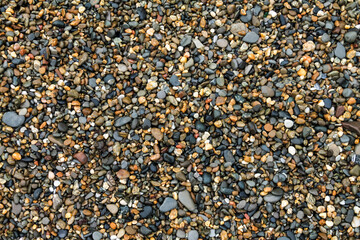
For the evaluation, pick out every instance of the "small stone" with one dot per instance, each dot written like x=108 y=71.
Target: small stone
x=16 y=209
x=340 y=51
x=112 y=208
x=353 y=126
x=222 y=43
x=156 y=132
x=251 y=37
x=355 y=222
x=174 y=80
x=272 y=198
x=123 y=174
x=229 y=157
x=355 y=171
x=267 y=91
x=168 y=204
x=62 y=233
x=238 y=29
x=147 y=211
x=193 y=235
x=350 y=36
x=292 y=150
x=186 y=200
x=288 y=123
x=96 y=235
x=81 y=157
x=347 y=92
x=145 y=231
x=12 y=119
x=339 y=111
x=59 y=24
x=122 y=121
x=309 y=46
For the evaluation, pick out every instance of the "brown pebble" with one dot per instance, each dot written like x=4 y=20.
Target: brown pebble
x=158 y=135
x=339 y=111
x=352 y=126
x=220 y=101
x=268 y=127
x=123 y=174
x=81 y=157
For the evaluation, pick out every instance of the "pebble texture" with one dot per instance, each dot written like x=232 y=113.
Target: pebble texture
x=179 y=119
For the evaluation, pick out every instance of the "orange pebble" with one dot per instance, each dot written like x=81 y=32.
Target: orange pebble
x=351 y=101
x=16 y=156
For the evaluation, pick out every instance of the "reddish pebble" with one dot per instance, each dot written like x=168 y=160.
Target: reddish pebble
x=123 y=174
x=81 y=157
x=339 y=111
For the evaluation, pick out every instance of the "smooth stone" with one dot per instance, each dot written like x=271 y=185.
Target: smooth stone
x=251 y=37
x=272 y=198
x=288 y=123
x=229 y=157
x=146 y=212
x=16 y=208
x=156 y=132
x=186 y=200
x=197 y=43
x=340 y=51
x=267 y=91
x=59 y=24
x=168 y=204
x=145 y=231
x=355 y=222
x=174 y=80
x=193 y=235
x=122 y=121
x=97 y=235
x=112 y=208
x=355 y=171
x=350 y=36
x=357 y=149
x=81 y=157
x=12 y=119
x=347 y=92
x=62 y=233
x=222 y=43
x=352 y=126
x=186 y=40
x=161 y=94
x=237 y=28
x=57 y=202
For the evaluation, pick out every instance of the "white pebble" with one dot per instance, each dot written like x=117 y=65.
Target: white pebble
x=288 y=123
x=292 y=150
x=56 y=183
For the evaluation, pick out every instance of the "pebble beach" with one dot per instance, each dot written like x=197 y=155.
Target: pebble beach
x=174 y=120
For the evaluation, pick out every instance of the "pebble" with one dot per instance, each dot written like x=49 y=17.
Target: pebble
x=222 y=43
x=288 y=123
x=340 y=51
x=81 y=157
x=96 y=235
x=350 y=36
x=267 y=91
x=112 y=208
x=193 y=235
x=186 y=200
x=12 y=119
x=122 y=121
x=168 y=204
x=251 y=37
